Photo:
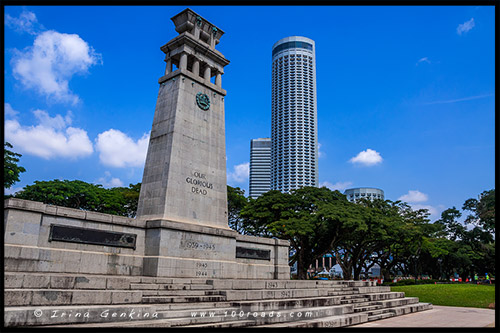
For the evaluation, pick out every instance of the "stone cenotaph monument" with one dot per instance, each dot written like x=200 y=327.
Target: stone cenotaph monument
x=184 y=189
x=181 y=228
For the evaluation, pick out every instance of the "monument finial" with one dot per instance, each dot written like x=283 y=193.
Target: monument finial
x=192 y=23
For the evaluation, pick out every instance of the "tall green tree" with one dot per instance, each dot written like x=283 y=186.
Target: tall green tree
x=11 y=169
x=80 y=195
x=131 y=198
x=236 y=201
x=259 y=213
x=452 y=228
x=416 y=231
x=482 y=211
x=462 y=250
x=386 y=244
x=310 y=218
x=398 y=235
x=371 y=235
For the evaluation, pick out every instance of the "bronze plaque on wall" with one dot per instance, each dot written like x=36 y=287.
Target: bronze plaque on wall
x=249 y=253
x=64 y=233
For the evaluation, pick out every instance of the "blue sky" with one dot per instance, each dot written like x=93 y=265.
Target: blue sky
x=405 y=94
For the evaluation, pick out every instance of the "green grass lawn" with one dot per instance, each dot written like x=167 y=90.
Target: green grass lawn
x=468 y=295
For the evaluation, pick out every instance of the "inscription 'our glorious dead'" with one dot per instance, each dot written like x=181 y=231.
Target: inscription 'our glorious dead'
x=199 y=182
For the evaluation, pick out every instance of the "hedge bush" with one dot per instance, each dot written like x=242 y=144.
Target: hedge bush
x=407 y=282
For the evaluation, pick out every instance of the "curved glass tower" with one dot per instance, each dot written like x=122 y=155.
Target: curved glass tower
x=294 y=152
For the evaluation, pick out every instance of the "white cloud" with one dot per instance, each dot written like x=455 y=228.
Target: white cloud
x=416 y=200
x=57 y=122
x=424 y=59
x=240 y=173
x=320 y=153
x=107 y=181
x=466 y=26
x=414 y=196
x=460 y=99
x=26 y=22
x=341 y=186
x=432 y=210
x=48 y=65
x=9 y=111
x=50 y=138
x=367 y=157
x=118 y=150
x=12 y=190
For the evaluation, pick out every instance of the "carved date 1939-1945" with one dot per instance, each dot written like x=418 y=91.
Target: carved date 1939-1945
x=192 y=244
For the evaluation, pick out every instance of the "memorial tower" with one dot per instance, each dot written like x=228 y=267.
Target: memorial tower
x=185 y=172
x=183 y=199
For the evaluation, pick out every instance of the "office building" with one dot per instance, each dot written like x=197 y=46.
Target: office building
x=294 y=153
x=371 y=193
x=260 y=167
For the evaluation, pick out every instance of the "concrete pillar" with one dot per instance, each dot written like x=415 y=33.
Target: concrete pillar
x=207 y=74
x=323 y=262
x=218 y=80
x=168 y=69
x=196 y=67
x=184 y=61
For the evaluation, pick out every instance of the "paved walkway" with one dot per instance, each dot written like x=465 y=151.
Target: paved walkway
x=439 y=316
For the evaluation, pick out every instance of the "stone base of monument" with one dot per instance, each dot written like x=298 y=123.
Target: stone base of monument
x=47 y=238
x=187 y=250
x=90 y=300
x=71 y=267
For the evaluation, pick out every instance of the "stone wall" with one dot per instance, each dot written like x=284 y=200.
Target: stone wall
x=162 y=247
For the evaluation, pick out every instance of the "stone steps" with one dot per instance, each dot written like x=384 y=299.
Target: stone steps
x=29 y=280
x=181 y=299
x=189 y=306
x=54 y=315
x=183 y=311
x=236 y=323
x=326 y=322
x=131 y=301
x=20 y=297
x=379 y=316
x=225 y=316
x=353 y=300
x=179 y=292
x=367 y=308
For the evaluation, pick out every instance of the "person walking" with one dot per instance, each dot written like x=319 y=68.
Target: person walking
x=488 y=278
x=476 y=278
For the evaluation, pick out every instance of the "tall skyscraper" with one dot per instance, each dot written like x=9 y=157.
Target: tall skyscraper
x=260 y=167
x=294 y=153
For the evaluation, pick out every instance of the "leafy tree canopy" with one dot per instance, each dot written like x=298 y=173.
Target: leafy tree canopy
x=82 y=195
x=482 y=210
x=310 y=218
x=236 y=201
x=11 y=170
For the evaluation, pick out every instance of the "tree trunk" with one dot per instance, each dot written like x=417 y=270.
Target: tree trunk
x=357 y=272
x=346 y=267
x=302 y=265
x=386 y=274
